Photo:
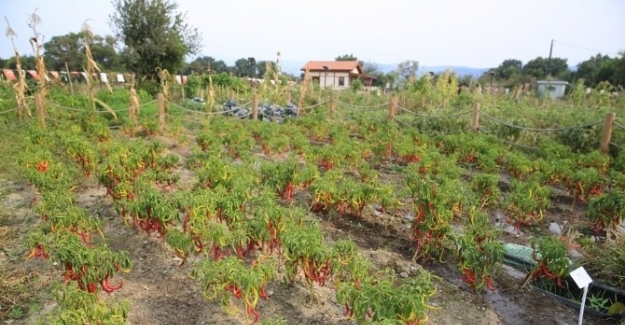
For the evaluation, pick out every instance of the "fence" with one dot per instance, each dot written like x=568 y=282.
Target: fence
x=391 y=107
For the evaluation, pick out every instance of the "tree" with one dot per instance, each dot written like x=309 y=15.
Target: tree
x=202 y=64
x=154 y=35
x=242 y=68
x=29 y=62
x=407 y=71
x=509 y=69
x=346 y=57
x=596 y=69
x=261 y=68
x=104 y=52
x=349 y=57
x=70 y=48
x=619 y=70
x=370 y=68
x=66 y=48
x=540 y=68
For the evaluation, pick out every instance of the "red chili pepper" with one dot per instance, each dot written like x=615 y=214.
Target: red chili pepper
x=489 y=284
x=199 y=246
x=559 y=282
x=263 y=293
x=42 y=166
x=92 y=287
x=252 y=311
x=469 y=276
x=240 y=252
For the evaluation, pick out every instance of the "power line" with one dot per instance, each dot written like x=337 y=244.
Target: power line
x=585 y=48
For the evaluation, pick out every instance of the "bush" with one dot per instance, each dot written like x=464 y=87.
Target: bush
x=151 y=87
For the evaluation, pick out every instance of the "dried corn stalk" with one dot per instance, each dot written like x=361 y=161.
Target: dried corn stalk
x=303 y=89
x=37 y=44
x=210 y=100
x=276 y=79
x=133 y=111
x=91 y=70
x=164 y=76
x=20 y=87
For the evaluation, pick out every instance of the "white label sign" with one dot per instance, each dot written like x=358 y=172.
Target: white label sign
x=581 y=277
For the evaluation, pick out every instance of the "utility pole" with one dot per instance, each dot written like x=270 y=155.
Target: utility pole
x=549 y=63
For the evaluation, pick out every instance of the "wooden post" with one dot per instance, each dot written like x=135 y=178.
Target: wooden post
x=475 y=122
x=300 y=103
x=392 y=108
x=254 y=105
x=41 y=113
x=332 y=105
x=606 y=136
x=161 y=112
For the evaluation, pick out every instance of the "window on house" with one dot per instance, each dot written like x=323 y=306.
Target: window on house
x=341 y=81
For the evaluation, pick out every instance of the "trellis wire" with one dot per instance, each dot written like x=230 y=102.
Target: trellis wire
x=536 y=129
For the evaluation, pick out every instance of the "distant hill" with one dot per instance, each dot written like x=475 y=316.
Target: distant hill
x=293 y=67
x=459 y=70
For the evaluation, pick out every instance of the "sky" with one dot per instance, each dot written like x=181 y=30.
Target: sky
x=470 y=33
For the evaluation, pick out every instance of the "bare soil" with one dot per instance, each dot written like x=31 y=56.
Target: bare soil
x=161 y=292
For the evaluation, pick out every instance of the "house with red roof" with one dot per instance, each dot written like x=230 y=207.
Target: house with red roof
x=337 y=74
x=9 y=75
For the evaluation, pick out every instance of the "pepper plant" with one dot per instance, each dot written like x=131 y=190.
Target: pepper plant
x=552 y=263
x=606 y=212
x=480 y=254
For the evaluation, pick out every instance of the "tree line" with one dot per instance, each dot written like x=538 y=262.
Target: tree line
x=597 y=69
x=68 y=52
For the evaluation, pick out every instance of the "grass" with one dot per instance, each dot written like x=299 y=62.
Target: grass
x=606 y=262
x=20 y=287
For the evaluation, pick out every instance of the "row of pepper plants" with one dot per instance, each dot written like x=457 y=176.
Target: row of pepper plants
x=348 y=155
x=591 y=179
x=271 y=226
x=233 y=213
x=233 y=217
x=68 y=236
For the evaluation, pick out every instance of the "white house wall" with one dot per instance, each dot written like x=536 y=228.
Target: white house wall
x=331 y=79
x=557 y=91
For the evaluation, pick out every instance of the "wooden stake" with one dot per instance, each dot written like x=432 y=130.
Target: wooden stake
x=332 y=105
x=606 y=136
x=254 y=105
x=161 y=112
x=41 y=113
x=475 y=122
x=392 y=108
